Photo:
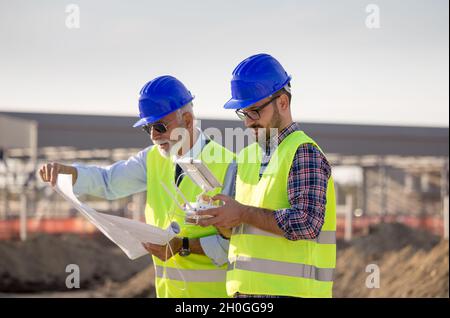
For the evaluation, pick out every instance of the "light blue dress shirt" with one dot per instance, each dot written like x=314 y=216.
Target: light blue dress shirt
x=127 y=177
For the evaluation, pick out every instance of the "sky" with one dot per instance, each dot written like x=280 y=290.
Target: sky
x=342 y=71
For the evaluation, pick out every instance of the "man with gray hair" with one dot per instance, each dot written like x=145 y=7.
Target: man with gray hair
x=194 y=263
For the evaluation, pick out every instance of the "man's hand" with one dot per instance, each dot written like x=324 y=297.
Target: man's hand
x=163 y=252
x=49 y=172
x=227 y=216
x=224 y=231
x=234 y=213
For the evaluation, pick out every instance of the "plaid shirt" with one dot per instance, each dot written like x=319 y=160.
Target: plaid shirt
x=307 y=188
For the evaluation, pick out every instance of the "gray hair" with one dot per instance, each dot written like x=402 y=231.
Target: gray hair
x=185 y=109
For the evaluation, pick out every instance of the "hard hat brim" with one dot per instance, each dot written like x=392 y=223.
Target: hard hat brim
x=149 y=120
x=238 y=103
x=244 y=103
x=152 y=119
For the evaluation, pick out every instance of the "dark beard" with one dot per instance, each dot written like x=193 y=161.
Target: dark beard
x=275 y=123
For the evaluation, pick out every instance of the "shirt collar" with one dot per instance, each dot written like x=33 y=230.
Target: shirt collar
x=287 y=131
x=276 y=140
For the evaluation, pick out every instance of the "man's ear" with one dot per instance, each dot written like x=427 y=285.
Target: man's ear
x=188 y=120
x=283 y=102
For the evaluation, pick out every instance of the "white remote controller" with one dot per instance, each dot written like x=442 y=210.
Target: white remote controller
x=191 y=214
x=190 y=208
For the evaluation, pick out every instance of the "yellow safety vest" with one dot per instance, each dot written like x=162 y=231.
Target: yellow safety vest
x=263 y=263
x=194 y=275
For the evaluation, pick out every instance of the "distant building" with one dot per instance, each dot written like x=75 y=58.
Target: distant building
x=404 y=170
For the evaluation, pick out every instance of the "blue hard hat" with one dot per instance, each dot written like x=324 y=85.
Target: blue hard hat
x=254 y=79
x=160 y=97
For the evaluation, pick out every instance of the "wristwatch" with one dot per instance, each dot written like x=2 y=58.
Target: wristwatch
x=185 y=251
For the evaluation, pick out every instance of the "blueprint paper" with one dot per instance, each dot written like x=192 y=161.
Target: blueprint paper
x=126 y=233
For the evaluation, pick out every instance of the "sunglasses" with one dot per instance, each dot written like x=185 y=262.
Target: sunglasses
x=254 y=114
x=160 y=127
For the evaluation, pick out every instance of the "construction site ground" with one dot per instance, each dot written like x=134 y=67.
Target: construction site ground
x=411 y=262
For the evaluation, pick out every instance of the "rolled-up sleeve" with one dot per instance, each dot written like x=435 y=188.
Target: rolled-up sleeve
x=307 y=189
x=216 y=248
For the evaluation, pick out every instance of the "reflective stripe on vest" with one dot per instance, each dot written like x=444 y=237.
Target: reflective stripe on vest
x=281 y=268
x=190 y=275
x=325 y=237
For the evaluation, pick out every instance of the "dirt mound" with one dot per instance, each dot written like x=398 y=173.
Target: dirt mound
x=386 y=237
x=412 y=263
x=140 y=285
x=39 y=263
